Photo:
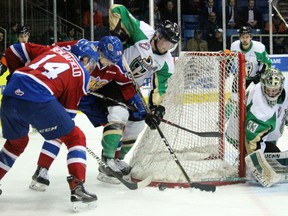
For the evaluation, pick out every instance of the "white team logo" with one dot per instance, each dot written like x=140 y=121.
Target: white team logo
x=19 y=92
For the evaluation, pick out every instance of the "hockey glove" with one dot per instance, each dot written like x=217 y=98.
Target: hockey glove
x=141 y=113
x=262 y=67
x=155 y=117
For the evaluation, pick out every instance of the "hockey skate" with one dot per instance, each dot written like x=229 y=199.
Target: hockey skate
x=124 y=168
x=104 y=173
x=40 y=179
x=80 y=198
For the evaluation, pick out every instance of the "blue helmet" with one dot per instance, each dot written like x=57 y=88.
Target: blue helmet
x=86 y=48
x=111 y=48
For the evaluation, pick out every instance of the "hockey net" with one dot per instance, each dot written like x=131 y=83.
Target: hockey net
x=206 y=93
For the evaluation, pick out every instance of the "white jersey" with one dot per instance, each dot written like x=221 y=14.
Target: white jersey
x=253 y=56
x=143 y=61
x=263 y=123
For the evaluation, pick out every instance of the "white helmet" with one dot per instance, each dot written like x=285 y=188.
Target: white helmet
x=272 y=83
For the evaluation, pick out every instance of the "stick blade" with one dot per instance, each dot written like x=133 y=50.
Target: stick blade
x=203 y=187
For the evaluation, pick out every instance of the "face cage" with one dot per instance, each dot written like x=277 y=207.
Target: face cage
x=272 y=100
x=91 y=65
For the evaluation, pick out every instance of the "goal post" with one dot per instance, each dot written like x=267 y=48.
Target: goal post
x=206 y=93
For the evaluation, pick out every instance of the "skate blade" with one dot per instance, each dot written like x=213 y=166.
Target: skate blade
x=82 y=206
x=107 y=179
x=37 y=186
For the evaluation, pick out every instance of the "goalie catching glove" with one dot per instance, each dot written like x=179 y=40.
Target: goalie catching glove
x=136 y=102
x=156 y=116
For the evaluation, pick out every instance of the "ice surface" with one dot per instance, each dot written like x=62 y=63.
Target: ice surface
x=116 y=200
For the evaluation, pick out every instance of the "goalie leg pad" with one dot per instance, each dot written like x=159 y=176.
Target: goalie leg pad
x=261 y=169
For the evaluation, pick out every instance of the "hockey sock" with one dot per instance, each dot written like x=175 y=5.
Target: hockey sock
x=49 y=152
x=126 y=147
x=76 y=157
x=10 y=152
x=112 y=134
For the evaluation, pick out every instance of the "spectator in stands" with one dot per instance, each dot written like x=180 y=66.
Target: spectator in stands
x=170 y=12
x=210 y=26
x=99 y=29
x=134 y=8
x=209 y=8
x=216 y=43
x=47 y=38
x=13 y=36
x=197 y=43
x=71 y=34
x=193 y=7
x=278 y=27
x=157 y=14
x=252 y=16
x=232 y=15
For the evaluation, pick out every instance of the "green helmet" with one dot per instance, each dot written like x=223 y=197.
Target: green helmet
x=272 y=83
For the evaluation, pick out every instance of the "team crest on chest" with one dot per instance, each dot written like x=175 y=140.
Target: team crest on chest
x=96 y=83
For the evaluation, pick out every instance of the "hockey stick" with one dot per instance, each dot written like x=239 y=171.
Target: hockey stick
x=112 y=100
x=201 y=134
x=200 y=186
x=130 y=185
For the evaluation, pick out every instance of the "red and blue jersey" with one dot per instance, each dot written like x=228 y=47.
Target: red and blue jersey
x=54 y=74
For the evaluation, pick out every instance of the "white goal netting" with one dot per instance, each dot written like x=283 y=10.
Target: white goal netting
x=203 y=96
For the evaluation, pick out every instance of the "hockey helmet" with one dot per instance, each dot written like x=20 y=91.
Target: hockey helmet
x=245 y=30
x=170 y=31
x=84 y=48
x=111 y=48
x=272 y=84
x=23 y=30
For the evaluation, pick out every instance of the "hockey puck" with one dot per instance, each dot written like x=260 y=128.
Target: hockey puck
x=162 y=187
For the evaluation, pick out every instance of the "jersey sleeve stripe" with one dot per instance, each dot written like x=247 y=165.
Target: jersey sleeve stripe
x=18 y=50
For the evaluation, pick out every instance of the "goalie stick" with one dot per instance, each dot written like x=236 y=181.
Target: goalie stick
x=202 y=187
x=201 y=134
x=130 y=185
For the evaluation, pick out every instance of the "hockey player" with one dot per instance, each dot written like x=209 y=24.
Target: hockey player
x=267 y=109
x=147 y=53
x=23 y=37
x=256 y=56
x=23 y=34
x=107 y=79
x=49 y=85
x=266 y=113
x=256 y=61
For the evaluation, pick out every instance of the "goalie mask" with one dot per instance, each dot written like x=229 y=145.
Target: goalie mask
x=272 y=83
